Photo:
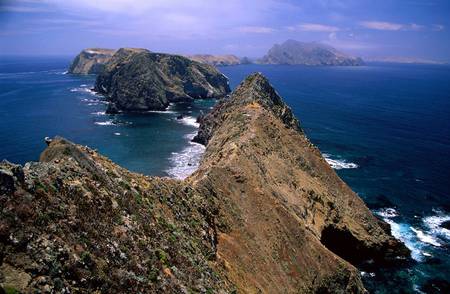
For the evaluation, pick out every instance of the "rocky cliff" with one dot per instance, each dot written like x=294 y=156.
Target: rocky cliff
x=216 y=60
x=295 y=52
x=264 y=213
x=90 y=61
x=138 y=80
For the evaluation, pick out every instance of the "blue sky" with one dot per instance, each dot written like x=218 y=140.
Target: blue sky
x=375 y=28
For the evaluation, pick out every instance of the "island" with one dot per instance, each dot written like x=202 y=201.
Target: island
x=264 y=213
x=217 y=60
x=140 y=80
x=90 y=61
x=294 y=52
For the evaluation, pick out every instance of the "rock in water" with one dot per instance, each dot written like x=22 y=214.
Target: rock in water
x=90 y=61
x=295 y=52
x=264 y=213
x=138 y=80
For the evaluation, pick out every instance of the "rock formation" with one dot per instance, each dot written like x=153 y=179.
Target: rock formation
x=138 y=80
x=295 y=52
x=216 y=60
x=90 y=61
x=264 y=213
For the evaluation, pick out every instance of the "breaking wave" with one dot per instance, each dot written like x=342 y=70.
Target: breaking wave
x=185 y=162
x=339 y=163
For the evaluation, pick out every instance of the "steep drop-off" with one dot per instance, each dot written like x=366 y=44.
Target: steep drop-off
x=90 y=61
x=138 y=80
x=264 y=213
x=295 y=52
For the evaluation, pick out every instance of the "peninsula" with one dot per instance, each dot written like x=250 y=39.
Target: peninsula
x=264 y=213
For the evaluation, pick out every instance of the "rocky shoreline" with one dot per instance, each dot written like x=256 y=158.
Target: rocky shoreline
x=264 y=212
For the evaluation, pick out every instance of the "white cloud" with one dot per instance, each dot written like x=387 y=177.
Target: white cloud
x=313 y=27
x=437 y=27
x=382 y=25
x=391 y=26
x=256 y=30
x=332 y=36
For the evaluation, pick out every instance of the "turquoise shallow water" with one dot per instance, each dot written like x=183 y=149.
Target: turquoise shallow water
x=385 y=128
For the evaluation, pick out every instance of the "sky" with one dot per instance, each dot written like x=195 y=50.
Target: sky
x=367 y=28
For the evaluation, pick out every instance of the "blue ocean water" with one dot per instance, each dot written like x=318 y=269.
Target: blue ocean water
x=385 y=128
x=37 y=99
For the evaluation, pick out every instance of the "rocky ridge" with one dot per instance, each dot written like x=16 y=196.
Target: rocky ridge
x=264 y=213
x=90 y=61
x=314 y=54
x=139 y=80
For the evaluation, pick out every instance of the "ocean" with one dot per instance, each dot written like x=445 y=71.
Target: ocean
x=385 y=128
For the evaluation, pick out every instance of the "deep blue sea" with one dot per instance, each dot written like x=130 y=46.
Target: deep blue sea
x=385 y=128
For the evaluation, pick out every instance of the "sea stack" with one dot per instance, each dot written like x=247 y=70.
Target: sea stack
x=90 y=61
x=294 y=52
x=139 y=80
x=264 y=213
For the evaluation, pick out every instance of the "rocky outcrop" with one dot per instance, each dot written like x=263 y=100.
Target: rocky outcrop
x=90 y=61
x=138 y=80
x=264 y=213
x=295 y=52
x=292 y=225
x=216 y=60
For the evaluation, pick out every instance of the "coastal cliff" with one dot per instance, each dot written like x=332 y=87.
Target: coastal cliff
x=138 y=80
x=90 y=61
x=314 y=54
x=264 y=213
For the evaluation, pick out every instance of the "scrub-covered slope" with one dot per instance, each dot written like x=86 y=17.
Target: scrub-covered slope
x=139 y=80
x=263 y=213
x=290 y=223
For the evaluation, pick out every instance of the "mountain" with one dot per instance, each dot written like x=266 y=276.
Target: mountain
x=264 y=213
x=295 y=52
x=216 y=60
x=139 y=80
x=90 y=61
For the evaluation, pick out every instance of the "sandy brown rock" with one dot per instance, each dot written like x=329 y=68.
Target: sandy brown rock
x=291 y=224
x=264 y=213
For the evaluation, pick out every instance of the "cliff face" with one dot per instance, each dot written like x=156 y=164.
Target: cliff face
x=138 y=80
x=294 y=52
x=216 y=60
x=263 y=213
x=90 y=61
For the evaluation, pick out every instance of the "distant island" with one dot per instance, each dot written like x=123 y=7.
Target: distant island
x=315 y=54
x=406 y=60
x=140 y=80
x=218 y=60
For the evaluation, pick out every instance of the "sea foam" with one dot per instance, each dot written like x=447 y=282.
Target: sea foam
x=185 y=162
x=189 y=121
x=339 y=163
